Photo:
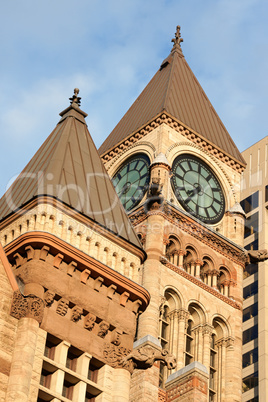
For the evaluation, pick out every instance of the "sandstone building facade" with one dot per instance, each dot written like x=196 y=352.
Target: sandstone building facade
x=80 y=284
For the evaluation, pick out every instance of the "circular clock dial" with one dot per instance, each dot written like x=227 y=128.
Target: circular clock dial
x=131 y=180
x=197 y=188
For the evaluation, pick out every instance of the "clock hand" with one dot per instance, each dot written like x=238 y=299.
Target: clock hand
x=192 y=193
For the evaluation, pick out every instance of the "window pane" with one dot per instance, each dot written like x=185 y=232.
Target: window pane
x=250 y=382
x=252 y=225
x=250 y=203
x=250 y=334
x=250 y=269
x=250 y=290
x=250 y=312
x=253 y=246
x=250 y=357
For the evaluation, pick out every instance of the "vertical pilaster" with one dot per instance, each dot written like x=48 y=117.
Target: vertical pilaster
x=207 y=332
x=149 y=320
x=183 y=317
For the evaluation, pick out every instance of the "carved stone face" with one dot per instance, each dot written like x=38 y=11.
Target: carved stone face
x=62 y=307
x=89 y=321
x=76 y=313
x=49 y=297
x=103 y=329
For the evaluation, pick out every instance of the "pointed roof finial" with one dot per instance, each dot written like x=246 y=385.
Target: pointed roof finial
x=75 y=100
x=177 y=40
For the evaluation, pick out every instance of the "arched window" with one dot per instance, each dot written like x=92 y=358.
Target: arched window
x=189 y=344
x=212 y=369
x=169 y=328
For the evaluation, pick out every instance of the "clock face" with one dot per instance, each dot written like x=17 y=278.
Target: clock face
x=131 y=180
x=197 y=188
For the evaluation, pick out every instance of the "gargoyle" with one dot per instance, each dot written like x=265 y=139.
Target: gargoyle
x=253 y=256
x=144 y=358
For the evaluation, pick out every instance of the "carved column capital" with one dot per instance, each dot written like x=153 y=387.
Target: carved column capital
x=183 y=314
x=29 y=306
x=208 y=329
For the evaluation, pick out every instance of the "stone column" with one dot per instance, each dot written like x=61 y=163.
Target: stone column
x=226 y=288
x=22 y=360
x=29 y=310
x=220 y=374
x=175 y=333
x=181 y=255
x=149 y=320
x=233 y=370
x=200 y=344
x=183 y=316
x=121 y=385
x=198 y=265
x=171 y=330
x=214 y=279
x=207 y=332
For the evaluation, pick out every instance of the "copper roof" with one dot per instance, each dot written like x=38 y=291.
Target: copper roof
x=68 y=168
x=174 y=90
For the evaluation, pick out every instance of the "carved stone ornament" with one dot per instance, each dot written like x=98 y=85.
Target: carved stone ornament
x=114 y=356
x=145 y=357
x=29 y=306
x=62 y=307
x=89 y=321
x=76 y=313
x=254 y=256
x=116 y=337
x=49 y=298
x=103 y=329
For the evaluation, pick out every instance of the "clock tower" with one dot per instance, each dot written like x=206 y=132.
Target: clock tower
x=177 y=172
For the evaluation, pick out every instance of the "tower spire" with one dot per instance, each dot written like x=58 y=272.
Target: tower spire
x=75 y=100
x=177 y=40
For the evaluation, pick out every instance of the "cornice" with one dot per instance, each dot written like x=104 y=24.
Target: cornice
x=199 y=283
x=195 y=229
x=83 y=261
x=63 y=208
x=184 y=130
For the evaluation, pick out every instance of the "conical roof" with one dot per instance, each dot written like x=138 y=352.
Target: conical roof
x=68 y=168
x=174 y=90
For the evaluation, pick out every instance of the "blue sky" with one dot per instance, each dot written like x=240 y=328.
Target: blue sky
x=110 y=50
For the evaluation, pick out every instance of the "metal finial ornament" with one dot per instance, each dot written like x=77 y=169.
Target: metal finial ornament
x=177 y=40
x=75 y=100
